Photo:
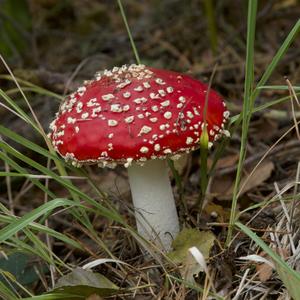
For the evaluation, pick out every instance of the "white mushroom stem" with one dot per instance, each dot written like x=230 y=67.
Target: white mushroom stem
x=153 y=201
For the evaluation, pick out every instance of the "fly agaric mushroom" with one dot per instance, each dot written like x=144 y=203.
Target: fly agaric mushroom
x=138 y=116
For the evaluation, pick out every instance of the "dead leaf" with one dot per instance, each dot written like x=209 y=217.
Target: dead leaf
x=225 y=162
x=262 y=173
x=94 y=297
x=223 y=186
x=264 y=272
x=264 y=129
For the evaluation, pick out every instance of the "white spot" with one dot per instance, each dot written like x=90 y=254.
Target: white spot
x=79 y=107
x=126 y=107
x=162 y=93
x=70 y=120
x=92 y=102
x=168 y=115
x=153 y=120
x=112 y=123
x=190 y=114
x=109 y=146
x=211 y=132
x=140 y=100
x=146 y=85
x=116 y=108
x=123 y=84
x=128 y=162
x=144 y=150
x=189 y=140
x=165 y=103
x=111 y=135
x=81 y=90
x=59 y=133
x=196 y=112
x=226 y=133
x=159 y=81
x=154 y=108
x=107 y=97
x=167 y=151
x=157 y=147
x=179 y=105
x=145 y=129
x=104 y=154
x=162 y=127
x=85 y=115
x=169 y=89
x=226 y=114
x=95 y=111
x=76 y=129
x=129 y=119
x=154 y=96
x=126 y=95
x=140 y=116
x=107 y=73
x=139 y=88
x=181 y=99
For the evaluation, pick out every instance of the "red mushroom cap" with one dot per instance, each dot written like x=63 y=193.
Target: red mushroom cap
x=135 y=113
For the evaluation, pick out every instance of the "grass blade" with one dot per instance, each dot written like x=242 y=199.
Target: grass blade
x=278 y=56
x=290 y=277
x=137 y=57
x=24 y=221
x=247 y=108
x=113 y=215
x=43 y=229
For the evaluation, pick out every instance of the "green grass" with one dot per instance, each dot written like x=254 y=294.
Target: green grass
x=248 y=103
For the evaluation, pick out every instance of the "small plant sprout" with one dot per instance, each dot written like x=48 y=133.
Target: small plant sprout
x=138 y=116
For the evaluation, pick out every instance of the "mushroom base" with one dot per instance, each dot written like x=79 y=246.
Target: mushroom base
x=153 y=201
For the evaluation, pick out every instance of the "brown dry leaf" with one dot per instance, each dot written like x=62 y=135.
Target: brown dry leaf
x=264 y=272
x=223 y=186
x=225 y=162
x=265 y=129
x=94 y=297
x=283 y=4
x=262 y=173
